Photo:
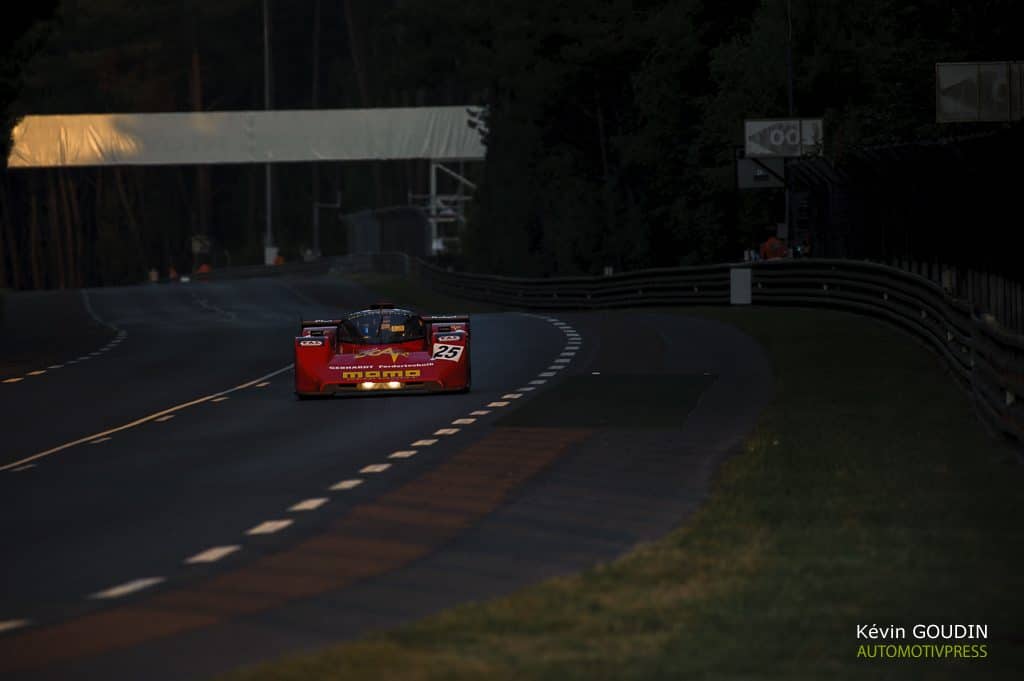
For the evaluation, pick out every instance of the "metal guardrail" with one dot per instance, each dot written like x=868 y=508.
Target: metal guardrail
x=986 y=359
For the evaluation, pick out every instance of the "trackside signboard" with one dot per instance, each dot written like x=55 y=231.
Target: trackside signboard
x=783 y=137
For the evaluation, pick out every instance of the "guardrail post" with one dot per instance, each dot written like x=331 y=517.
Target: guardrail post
x=739 y=286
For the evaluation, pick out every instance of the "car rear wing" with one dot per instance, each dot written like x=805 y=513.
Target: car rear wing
x=443 y=322
x=441 y=318
x=315 y=324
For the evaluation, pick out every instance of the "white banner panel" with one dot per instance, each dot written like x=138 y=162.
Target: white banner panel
x=783 y=137
x=439 y=133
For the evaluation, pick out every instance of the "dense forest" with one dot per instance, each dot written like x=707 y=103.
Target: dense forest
x=612 y=126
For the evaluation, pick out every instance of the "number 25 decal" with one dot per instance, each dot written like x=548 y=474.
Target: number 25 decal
x=451 y=353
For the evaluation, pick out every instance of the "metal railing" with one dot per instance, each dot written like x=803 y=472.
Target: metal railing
x=986 y=358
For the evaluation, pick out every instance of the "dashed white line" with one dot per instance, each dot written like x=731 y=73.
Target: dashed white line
x=212 y=555
x=269 y=527
x=480 y=412
x=345 y=484
x=463 y=422
x=546 y=374
x=556 y=367
x=100 y=440
x=498 y=404
x=23 y=468
x=164 y=418
x=538 y=381
x=128 y=588
x=423 y=443
x=55 y=366
x=264 y=384
x=309 y=504
x=402 y=454
x=220 y=399
x=595 y=373
x=10 y=625
x=37 y=372
x=375 y=468
x=446 y=431
x=13 y=380
x=562 y=360
x=511 y=396
x=144 y=419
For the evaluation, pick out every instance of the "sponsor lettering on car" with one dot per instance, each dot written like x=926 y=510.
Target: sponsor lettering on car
x=449 y=339
x=350 y=375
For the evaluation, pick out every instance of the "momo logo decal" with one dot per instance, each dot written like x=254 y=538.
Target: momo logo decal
x=377 y=352
x=311 y=342
x=448 y=339
x=379 y=373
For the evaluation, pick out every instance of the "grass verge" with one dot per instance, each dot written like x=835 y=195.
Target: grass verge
x=868 y=494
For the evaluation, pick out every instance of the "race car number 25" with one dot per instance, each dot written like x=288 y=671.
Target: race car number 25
x=451 y=353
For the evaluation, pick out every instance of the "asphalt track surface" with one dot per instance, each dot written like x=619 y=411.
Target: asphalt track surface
x=121 y=460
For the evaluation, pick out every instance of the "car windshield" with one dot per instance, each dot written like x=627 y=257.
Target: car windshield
x=374 y=327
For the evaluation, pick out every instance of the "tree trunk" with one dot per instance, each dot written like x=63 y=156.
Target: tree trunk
x=12 y=240
x=53 y=217
x=76 y=216
x=33 y=238
x=315 y=179
x=202 y=171
x=133 y=224
x=69 y=232
x=356 y=51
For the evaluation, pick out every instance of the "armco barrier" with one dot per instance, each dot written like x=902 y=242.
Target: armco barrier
x=986 y=359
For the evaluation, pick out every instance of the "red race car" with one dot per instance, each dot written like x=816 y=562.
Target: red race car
x=382 y=348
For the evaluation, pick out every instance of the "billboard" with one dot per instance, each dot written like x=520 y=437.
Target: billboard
x=783 y=137
x=978 y=92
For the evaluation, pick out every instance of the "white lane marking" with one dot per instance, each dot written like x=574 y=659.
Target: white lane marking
x=595 y=373
x=546 y=374
x=162 y=419
x=567 y=355
x=511 y=396
x=9 y=625
x=37 y=372
x=101 y=440
x=139 y=422
x=13 y=380
x=480 y=412
x=73 y=361
x=212 y=555
x=264 y=384
x=423 y=443
x=555 y=367
x=446 y=431
x=345 y=484
x=498 y=404
x=527 y=388
x=463 y=422
x=309 y=504
x=55 y=366
x=375 y=468
x=92 y=313
x=128 y=588
x=220 y=399
x=562 y=360
x=538 y=381
x=402 y=454
x=269 y=527
x=23 y=468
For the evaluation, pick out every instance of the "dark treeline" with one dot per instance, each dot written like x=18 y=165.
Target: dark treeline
x=611 y=129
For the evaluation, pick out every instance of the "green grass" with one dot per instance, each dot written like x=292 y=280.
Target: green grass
x=868 y=494
x=404 y=291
